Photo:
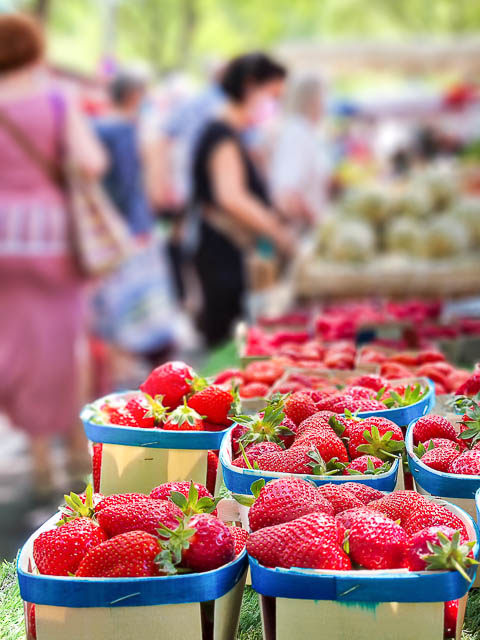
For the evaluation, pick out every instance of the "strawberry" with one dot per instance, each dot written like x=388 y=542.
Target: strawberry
x=433 y=426
x=341 y=499
x=362 y=491
x=274 y=546
x=440 y=458
x=303 y=459
x=471 y=387
x=317 y=422
x=171 y=380
x=120 y=499
x=184 y=418
x=328 y=444
x=359 y=392
x=299 y=406
x=117 y=416
x=375 y=542
x=283 y=500
x=450 y=616
x=378 y=437
x=316 y=553
x=140 y=410
x=467 y=463
x=346 y=518
x=58 y=552
x=212 y=466
x=254 y=451
x=370 y=382
x=428 y=514
x=213 y=403
x=202 y=543
x=392 y=370
x=239 y=536
x=140 y=516
x=97 y=448
x=439 y=442
x=128 y=555
x=253 y=390
x=430 y=356
x=32 y=624
x=264 y=371
x=365 y=465
x=227 y=375
x=398 y=505
x=164 y=491
x=439 y=547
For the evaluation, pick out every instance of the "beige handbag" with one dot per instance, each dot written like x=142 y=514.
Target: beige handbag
x=101 y=239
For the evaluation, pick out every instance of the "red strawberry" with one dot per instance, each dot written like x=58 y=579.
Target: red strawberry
x=303 y=459
x=206 y=543
x=428 y=514
x=171 y=380
x=275 y=546
x=269 y=425
x=379 y=437
x=418 y=546
x=370 y=382
x=145 y=516
x=264 y=371
x=440 y=442
x=341 y=499
x=128 y=555
x=471 y=387
x=239 y=536
x=467 y=463
x=316 y=553
x=117 y=416
x=97 y=448
x=346 y=518
x=227 y=375
x=359 y=392
x=375 y=542
x=351 y=403
x=362 y=491
x=283 y=500
x=433 y=426
x=184 y=418
x=32 y=624
x=213 y=403
x=450 y=619
x=363 y=464
x=120 y=499
x=253 y=390
x=392 y=370
x=398 y=505
x=141 y=411
x=440 y=458
x=254 y=451
x=212 y=466
x=328 y=444
x=59 y=551
x=317 y=422
x=299 y=406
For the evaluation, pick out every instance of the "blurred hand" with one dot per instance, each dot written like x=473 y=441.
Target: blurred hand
x=285 y=241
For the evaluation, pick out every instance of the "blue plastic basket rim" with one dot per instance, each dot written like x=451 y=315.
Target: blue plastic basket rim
x=150 y=438
x=391 y=414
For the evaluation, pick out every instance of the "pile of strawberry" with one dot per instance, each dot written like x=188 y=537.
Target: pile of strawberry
x=441 y=447
x=427 y=363
x=291 y=435
x=174 y=529
x=172 y=397
x=352 y=526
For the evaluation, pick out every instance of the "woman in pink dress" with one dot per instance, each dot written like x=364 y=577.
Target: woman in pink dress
x=42 y=320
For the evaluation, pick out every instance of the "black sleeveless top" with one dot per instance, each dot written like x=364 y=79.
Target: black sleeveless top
x=214 y=133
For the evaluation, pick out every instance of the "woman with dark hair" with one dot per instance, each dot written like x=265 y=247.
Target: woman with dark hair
x=42 y=320
x=231 y=196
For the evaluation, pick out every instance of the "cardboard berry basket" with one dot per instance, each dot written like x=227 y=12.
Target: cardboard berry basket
x=135 y=459
x=391 y=605
x=195 y=606
x=239 y=480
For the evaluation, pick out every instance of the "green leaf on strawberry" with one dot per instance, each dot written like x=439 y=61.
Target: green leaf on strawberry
x=382 y=447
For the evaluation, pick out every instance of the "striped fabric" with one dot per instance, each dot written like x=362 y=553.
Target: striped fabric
x=33 y=229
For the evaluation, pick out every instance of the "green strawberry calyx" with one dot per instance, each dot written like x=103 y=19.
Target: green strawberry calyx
x=74 y=507
x=382 y=447
x=420 y=450
x=156 y=409
x=450 y=554
x=191 y=504
x=322 y=468
x=255 y=488
x=266 y=427
x=184 y=415
x=411 y=395
x=470 y=419
x=172 y=544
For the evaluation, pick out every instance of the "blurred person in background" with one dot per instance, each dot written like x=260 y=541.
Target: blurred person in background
x=132 y=304
x=299 y=163
x=230 y=197
x=42 y=321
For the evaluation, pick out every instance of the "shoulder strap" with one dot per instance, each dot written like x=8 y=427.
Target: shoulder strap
x=51 y=169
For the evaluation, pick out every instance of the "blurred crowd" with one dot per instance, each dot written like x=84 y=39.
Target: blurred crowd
x=213 y=191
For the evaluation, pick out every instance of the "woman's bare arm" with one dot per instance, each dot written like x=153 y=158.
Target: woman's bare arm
x=85 y=151
x=232 y=195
